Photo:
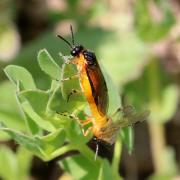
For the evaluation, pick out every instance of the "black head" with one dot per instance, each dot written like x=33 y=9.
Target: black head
x=76 y=50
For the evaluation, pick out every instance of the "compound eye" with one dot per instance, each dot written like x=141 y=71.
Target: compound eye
x=73 y=52
x=76 y=50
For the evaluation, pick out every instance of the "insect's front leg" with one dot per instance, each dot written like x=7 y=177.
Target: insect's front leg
x=85 y=133
x=74 y=116
x=82 y=124
x=73 y=92
x=71 y=116
x=71 y=77
x=69 y=59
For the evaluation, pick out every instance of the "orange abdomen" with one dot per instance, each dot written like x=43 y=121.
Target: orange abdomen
x=99 y=119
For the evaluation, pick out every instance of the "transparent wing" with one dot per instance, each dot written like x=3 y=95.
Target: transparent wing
x=131 y=117
x=110 y=132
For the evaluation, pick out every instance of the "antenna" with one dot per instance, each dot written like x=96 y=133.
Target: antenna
x=65 y=40
x=72 y=34
x=97 y=149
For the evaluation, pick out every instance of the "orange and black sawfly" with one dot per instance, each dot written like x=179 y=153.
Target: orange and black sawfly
x=95 y=90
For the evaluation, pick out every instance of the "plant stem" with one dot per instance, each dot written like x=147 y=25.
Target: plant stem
x=89 y=154
x=62 y=150
x=116 y=158
x=156 y=129
x=157 y=145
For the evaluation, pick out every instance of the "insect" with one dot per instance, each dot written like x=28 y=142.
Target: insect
x=95 y=90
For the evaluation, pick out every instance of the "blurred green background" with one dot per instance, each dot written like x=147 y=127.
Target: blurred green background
x=136 y=43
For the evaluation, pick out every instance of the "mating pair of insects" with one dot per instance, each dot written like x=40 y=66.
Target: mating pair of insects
x=95 y=90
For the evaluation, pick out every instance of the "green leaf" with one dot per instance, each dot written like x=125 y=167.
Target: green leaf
x=24 y=140
x=7 y=90
x=12 y=120
x=159 y=95
x=170 y=101
x=113 y=93
x=41 y=146
x=52 y=141
x=121 y=65
x=16 y=165
x=75 y=134
x=166 y=108
x=32 y=126
x=4 y=136
x=38 y=99
x=48 y=65
x=59 y=104
x=146 y=25
x=20 y=75
x=9 y=110
x=44 y=124
x=8 y=165
x=68 y=70
x=116 y=158
x=24 y=159
x=79 y=167
x=127 y=135
x=105 y=172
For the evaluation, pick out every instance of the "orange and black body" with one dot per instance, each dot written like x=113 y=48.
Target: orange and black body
x=95 y=90
x=91 y=79
x=93 y=86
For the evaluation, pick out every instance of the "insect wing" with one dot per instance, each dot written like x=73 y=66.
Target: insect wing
x=109 y=132
x=130 y=117
x=99 y=87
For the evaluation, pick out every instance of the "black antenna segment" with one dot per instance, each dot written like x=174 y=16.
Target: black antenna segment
x=65 y=40
x=72 y=35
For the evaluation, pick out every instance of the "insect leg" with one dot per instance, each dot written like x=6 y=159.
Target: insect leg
x=85 y=133
x=85 y=122
x=71 y=77
x=79 y=121
x=74 y=116
x=71 y=116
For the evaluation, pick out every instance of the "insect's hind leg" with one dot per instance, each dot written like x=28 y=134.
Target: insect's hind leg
x=85 y=133
x=82 y=123
x=85 y=122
